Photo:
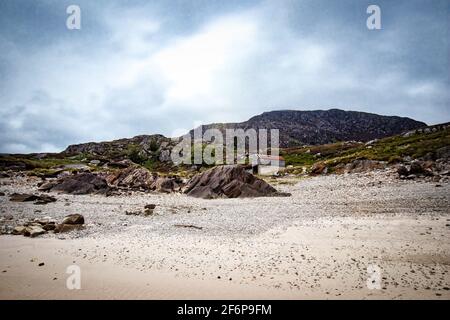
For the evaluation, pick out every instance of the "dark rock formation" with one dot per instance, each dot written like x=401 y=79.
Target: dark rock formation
x=83 y=183
x=296 y=128
x=324 y=126
x=133 y=177
x=230 y=181
x=36 y=199
x=137 y=177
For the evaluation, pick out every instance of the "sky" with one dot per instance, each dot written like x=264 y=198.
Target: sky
x=146 y=67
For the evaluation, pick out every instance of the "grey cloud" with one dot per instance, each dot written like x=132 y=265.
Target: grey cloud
x=164 y=66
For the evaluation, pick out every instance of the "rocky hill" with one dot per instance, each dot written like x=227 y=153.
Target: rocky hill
x=297 y=129
x=324 y=126
x=138 y=149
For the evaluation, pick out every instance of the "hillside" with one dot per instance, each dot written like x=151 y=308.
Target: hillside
x=429 y=143
x=299 y=128
x=309 y=131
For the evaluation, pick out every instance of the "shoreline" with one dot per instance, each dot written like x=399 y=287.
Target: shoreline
x=316 y=244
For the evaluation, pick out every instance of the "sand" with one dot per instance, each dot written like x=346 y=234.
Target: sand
x=318 y=243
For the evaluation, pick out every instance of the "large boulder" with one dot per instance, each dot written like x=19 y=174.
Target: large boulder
x=133 y=177
x=137 y=177
x=229 y=181
x=82 y=183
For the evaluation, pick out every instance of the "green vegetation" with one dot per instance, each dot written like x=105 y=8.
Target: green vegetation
x=134 y=155
x=391 y=149
x=334 y=155
x=27 y=162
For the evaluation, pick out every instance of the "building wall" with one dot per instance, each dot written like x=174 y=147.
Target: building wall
x=268 y=170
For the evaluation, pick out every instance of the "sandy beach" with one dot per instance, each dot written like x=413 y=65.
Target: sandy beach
x=317 y=243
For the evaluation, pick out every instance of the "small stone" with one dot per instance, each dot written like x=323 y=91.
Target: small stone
x=41 y=264
x=60 y=228
x=33 y=231
x=18 y=230
x=73 y=219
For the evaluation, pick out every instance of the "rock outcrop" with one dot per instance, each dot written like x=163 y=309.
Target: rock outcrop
x=137 y=177
x=82 y=183
x=43 y=225
x=364 y=165
x=323 y=126
x=133 y=177
x=229 y=181
x=36 y=199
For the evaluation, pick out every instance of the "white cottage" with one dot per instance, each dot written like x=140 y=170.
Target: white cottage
x=266 y=164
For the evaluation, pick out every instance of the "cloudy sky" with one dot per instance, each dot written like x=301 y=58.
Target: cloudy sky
x=143 y=67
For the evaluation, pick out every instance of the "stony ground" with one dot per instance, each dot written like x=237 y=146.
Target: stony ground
x=317 y=243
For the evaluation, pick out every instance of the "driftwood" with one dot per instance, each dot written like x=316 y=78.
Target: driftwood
x=187 y=226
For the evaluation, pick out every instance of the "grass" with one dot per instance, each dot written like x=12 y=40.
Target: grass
x=392 y=149
x=33 y=163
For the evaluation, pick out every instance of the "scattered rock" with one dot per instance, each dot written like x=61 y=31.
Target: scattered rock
x=33 y=231
x=37 y=199
x=364 y=165
x=95 y=162
x=47 y=223
x=19 y=230
x=120 y=164
x=41 y=264
x=47 y=186
x=24 y=197
x=44 y=199
x=2 y=194
x=416 y=168
x=319 y=168
x=402 y=171
x=443 y=153
x=431 y=170
x=61 y=228
x=73 y=219
x=148 y=211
